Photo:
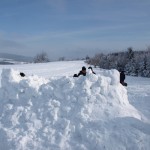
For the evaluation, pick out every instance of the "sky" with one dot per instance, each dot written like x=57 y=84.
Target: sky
x=73 y=28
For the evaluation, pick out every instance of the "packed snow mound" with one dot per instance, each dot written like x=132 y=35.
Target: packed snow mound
x=66 y=113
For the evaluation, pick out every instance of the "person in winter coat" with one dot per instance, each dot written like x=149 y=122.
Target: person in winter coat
x=82 y=72
x=92 y=70
x=122 y=78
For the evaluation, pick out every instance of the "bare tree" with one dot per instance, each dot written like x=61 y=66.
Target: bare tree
x=41 y=58
x=61 y=58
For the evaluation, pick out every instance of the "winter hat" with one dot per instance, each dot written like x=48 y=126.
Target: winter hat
x=83 y=68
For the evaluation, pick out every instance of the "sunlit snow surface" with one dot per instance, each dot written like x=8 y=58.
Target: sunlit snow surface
x=50 y=110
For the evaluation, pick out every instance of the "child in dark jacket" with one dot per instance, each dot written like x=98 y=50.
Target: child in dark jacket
x=122 y=78
x=82 y=72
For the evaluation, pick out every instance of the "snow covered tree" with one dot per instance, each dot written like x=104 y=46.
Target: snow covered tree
x=147 y=65
x=131 y=67
x=96 y=59
x=135 y=63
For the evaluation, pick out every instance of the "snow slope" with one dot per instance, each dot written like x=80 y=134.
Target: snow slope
x=47 y=70
x=62 y=112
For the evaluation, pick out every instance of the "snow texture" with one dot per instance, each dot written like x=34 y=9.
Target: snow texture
x=66 y=113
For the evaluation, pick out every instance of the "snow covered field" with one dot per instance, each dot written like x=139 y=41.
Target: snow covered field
x=55 y=111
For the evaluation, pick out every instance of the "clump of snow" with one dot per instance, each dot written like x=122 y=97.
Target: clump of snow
x=68 y=113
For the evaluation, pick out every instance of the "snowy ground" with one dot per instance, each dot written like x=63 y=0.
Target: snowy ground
x=56 y=111
x=139 y=94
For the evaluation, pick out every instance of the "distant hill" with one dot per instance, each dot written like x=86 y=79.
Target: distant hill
x=6 y=58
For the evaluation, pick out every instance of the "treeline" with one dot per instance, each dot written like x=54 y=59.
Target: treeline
x=136 y=63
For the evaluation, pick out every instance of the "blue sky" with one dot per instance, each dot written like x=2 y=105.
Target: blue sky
x=73 y=28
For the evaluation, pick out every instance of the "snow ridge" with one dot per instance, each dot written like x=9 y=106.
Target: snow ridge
x=66 y=113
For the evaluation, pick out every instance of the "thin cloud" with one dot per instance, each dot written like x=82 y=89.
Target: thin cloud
x=10 y=44
x=88 y=31
x=58 y=5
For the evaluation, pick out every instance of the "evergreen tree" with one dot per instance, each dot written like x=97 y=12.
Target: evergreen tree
x=130 y=53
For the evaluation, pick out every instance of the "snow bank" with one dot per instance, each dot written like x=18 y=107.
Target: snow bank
x=66 y=113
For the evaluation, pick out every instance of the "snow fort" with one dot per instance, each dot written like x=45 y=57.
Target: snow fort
x=66 y=113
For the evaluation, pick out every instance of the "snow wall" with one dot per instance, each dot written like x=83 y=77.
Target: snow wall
x=65 y=113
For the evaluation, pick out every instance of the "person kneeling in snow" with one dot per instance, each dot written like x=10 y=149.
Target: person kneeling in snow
x=82 y=72
x=122 y=78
